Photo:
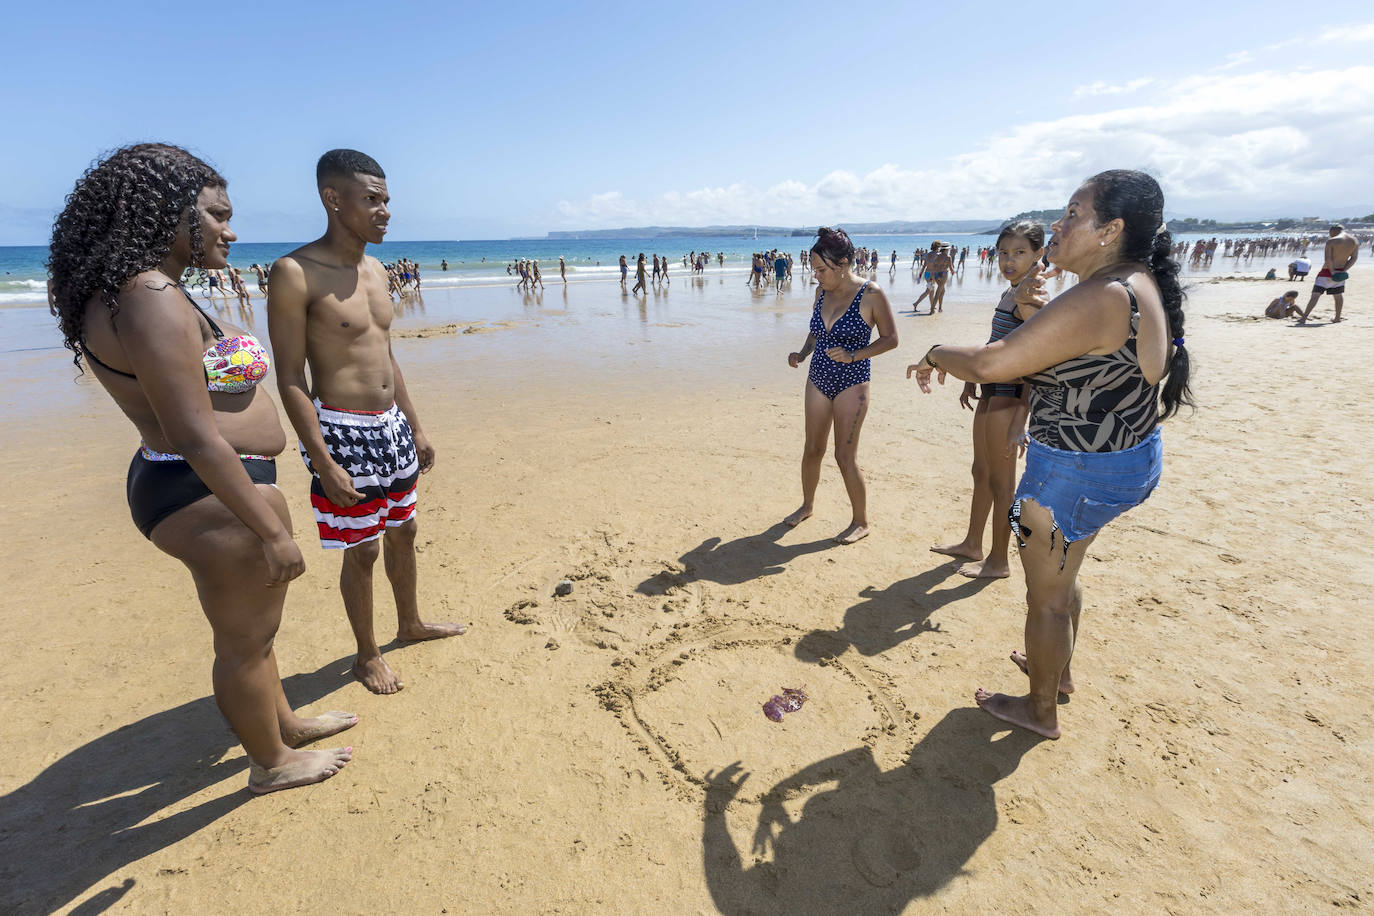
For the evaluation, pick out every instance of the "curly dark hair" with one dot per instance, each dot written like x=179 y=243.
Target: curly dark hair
x=120 y=219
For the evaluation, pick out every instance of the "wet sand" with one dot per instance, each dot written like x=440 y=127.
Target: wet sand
x=581 y=754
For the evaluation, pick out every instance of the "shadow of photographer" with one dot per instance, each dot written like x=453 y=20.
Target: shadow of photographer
x=875 y=840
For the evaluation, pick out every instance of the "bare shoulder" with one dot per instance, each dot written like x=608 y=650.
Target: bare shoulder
x=876 y=294
x=374 y=265
x=152 y=295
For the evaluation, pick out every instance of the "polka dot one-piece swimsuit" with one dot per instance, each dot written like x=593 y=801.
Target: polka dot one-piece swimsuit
x=850 y=332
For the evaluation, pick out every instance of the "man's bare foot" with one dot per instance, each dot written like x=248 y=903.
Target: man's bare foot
x=962 y=549
x=421 y=631
x=984 y=569
x=1016 y=711
x=322 y=726
x=376 y=675
x=301 y=769
x=1065 y=680
x=852 y=534
x=796 y=518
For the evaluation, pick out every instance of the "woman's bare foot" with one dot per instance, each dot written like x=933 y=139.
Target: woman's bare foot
x=853 y=533
x=1065 y=680
x=376 y=675
x=321 y=726
x=1016 y=711
x=421 y=630
x=302 y=768
x=796 y=518
x=984 y=569
x=962 y=549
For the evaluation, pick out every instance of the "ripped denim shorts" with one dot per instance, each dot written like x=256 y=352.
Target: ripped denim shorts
x=1085 y=490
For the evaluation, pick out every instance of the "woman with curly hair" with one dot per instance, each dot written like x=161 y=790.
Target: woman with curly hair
x=201 y=486
x=1100 y=358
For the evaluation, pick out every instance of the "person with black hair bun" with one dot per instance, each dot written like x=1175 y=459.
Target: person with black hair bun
x=1100 y=359
x=836 y=390
x=202 y=486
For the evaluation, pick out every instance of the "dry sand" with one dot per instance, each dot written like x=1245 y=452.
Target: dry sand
x=567 y=754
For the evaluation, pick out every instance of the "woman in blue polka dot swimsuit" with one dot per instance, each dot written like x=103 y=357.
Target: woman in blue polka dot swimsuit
x=837 y=383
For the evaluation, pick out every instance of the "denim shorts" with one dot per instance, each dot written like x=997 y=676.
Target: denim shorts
x=1085 y=490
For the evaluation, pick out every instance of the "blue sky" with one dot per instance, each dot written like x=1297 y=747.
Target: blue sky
x=514 y=119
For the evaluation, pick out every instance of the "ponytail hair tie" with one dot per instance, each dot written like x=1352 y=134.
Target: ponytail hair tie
x=1178 y=341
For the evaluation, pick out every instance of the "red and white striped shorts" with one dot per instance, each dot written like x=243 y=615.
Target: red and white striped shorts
x=377 y=449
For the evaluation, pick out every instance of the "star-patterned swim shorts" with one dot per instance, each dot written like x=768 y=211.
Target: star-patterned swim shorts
x=377 y=449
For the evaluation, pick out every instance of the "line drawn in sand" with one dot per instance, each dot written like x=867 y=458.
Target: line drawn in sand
x=693 y=705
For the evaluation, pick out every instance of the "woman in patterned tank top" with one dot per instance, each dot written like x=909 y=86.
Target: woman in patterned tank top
x=1100 y=359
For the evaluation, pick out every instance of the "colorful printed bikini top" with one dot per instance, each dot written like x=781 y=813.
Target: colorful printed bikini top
x=233 y=365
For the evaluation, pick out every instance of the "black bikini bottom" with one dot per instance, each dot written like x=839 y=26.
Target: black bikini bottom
x=159 y=488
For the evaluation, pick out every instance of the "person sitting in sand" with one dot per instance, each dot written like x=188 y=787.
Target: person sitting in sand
x=201 y=486
x=836 y=389
x=360 y=436
x=1271 y=274
x=999 y=421
x=1096 y=358
x=1285 y=306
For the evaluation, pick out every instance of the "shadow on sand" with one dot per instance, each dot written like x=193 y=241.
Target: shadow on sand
x=876 y=840
x=735 y=562
x=888 y=617
x=98 y=808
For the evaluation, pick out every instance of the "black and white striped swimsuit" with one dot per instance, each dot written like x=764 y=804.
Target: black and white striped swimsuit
x=1095 y=403
x=1003 y=323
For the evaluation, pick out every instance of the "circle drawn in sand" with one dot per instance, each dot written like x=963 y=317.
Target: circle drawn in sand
x=699 y=707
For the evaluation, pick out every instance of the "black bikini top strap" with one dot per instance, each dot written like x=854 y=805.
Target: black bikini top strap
x=219 y=335
x=90 y=355
x=1129 y=292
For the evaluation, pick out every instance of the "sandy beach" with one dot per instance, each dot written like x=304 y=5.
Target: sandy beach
x=589 y=753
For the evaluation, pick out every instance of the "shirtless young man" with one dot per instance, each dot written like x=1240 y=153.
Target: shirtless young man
x=328 y=309
x=1342 y=251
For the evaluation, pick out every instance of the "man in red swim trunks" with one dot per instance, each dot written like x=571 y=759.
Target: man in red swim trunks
x=1342 y=251
x=328 y=308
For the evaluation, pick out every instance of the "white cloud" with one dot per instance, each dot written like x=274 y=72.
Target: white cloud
x=1352 y=33
x=1101 y=88
x=1219 y=144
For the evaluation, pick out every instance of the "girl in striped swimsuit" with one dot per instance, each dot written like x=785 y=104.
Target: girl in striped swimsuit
x=999 y=421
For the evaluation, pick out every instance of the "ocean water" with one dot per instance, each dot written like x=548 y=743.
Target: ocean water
x=23 y=277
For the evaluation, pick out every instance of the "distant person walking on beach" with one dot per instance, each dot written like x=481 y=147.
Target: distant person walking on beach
x=562 y=270
x=359 y=433
x=261 y=273
x=656 y=270
x=240 y=288
x=999 y=421
x=1099 y=362
x=624 y=271
x=836 y=391
x=779 y=271
x=1342 y=251
x=535 y=275
x=641 y=281
x=200 y=488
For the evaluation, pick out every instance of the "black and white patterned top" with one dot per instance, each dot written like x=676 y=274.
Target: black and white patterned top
x=1095 y=403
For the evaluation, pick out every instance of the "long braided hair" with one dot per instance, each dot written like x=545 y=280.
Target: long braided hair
x=1136 y=199
x=119 y=220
